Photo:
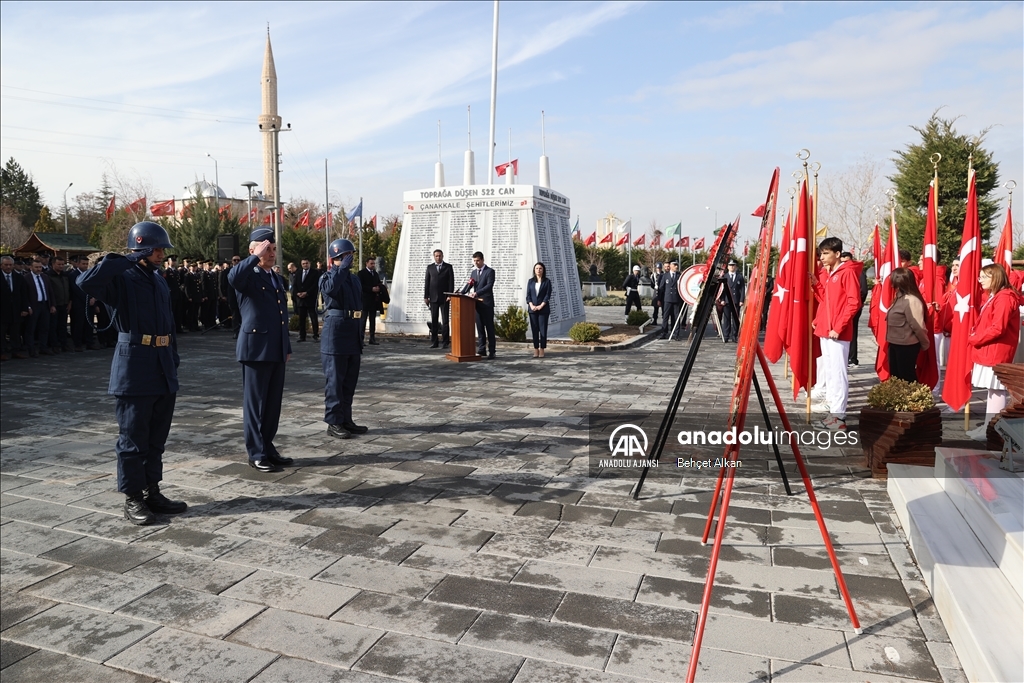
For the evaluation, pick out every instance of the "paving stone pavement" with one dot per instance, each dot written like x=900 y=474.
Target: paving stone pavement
x=460 y=539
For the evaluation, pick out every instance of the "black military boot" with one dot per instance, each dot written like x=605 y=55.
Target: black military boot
x=161 y=504
x=136 y=511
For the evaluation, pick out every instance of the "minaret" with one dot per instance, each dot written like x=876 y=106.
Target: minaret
x=269 y=120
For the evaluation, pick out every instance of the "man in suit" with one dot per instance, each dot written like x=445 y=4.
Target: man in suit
x=263 y=348
x=668 y=292
x=61 y=285
x=440 y=279
x=343 y=342
x=173 y=279
x=144 y=368
x=13 y=309
x=306 y=293
x=481 y=281
x=193 y=297
x=369 y=280
x=656 y=303
x=40 y=303
x=208 y=280
x=738 y=288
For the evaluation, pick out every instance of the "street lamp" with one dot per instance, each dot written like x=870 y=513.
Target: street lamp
x=66 y=207
x=216 y=177
x=248 y=185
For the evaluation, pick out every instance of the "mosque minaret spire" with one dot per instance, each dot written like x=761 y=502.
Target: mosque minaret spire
x=269 y=120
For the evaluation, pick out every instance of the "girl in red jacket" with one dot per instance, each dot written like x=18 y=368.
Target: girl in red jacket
x=994 y=340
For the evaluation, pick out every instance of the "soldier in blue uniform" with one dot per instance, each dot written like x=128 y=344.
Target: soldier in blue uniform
x=341 y=342
x=263 y=348
x=144 y=371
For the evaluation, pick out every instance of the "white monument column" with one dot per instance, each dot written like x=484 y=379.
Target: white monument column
x=269 y=120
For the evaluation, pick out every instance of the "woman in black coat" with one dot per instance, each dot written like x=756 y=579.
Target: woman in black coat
x=538 y=301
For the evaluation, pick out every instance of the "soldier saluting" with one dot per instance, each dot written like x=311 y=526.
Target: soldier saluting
x=144 y=370
x=342 y=340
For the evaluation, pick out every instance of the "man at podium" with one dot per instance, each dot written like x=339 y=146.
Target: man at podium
x=481 y=281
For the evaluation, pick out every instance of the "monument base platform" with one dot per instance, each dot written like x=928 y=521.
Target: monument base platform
x=963 y=518
x=592 y=289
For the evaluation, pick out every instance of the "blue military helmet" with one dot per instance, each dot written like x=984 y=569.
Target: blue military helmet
x=339 y=247
x=148 y=235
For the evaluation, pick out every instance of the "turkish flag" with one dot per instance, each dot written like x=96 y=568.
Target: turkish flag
x=225 y=210
x=110 y=208
x=803 y=346
x=163 y=208
x=320 y=223
x=503 y=168
x=875 y=291
x=139 y=205
x=956 y=390
x=1004 y=250
x=883 y=292
x=656 y=241
x=243 y=220
x=622 y=240
x=699 y=244
x=778 y=312
x=684 y=242
x=268 y=219
x=607 y=239
x=759 y=212
x=592 y=240
x=930 y=251
x=671 y=244
x=639 y=241
x=303 y=221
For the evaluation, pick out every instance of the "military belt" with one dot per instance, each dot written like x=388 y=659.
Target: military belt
x=334 y=312
x=144 y=339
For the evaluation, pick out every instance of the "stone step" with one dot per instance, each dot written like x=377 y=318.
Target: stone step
x=981 y=611
x=991 y=500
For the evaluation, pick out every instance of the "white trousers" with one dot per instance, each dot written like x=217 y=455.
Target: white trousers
x=834 y=356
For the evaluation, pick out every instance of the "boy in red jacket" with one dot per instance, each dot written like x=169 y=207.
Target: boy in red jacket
x=838 y=294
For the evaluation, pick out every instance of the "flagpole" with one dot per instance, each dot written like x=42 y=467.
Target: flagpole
x=494 y=96
x=360 y=233
x=967 y=406
x=327 y=218
x=810 y=296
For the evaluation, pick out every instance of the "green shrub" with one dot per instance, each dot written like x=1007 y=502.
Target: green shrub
x=901 y=396
x=584 y=332
x=512 y=324
x=637 y=318
x=604 y=301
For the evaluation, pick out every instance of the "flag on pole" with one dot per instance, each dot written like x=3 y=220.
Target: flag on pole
x=956 y=390
x=303 y=221
x=356 y=212
x=110 y=207
x=373 y=221
x=639 y=241
x=656 y=240
x=320 y=223
x=778 y=312
x=683 y=242
x=607 y=239
x=502 y=169
x=759 y=212
x=624 y=239
x=890 y=261
x=802 y=346
x=699 y=244
x=137 y=207
x=876 y=292
x=224 y=211
x=671 y=244
x=930 y=251
x=163 y=208
x=1004 y=250
x=592 y=240
x=243 y=220
x=268 y=219
x=673 y=230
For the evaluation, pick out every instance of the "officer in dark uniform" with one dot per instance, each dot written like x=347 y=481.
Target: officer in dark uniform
x=263 y=348
x=144 y=371
x=342 y=340
x=174 y=285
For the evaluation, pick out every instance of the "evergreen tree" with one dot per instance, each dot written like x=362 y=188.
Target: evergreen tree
x=45 y=222
x=19 y=192
x=914 y=172
x=194 y=235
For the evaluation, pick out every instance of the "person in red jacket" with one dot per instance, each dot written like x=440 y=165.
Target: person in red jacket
x=838 y=293
x=994 y=340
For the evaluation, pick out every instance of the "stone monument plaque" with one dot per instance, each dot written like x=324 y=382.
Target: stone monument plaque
x=513 y=225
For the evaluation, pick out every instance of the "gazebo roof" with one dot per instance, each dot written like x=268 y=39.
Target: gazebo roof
x=56 y=242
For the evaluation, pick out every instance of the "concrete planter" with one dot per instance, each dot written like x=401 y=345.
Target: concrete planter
x=903 y=438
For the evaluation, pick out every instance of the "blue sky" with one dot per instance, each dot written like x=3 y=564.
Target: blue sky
x=653 y=110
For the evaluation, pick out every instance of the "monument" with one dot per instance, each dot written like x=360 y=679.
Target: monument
x=513 y=225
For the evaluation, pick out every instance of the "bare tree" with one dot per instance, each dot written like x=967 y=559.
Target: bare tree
x=128 y=189
x=12 y=233
x=848 y=201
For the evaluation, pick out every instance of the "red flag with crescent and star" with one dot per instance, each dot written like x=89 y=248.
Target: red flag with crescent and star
x=956 y=390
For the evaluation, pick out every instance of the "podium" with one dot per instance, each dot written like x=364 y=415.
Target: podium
x=463 y=328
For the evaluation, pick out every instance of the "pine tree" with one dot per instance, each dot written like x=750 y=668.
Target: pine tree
x=914 y=172
x=19 y=192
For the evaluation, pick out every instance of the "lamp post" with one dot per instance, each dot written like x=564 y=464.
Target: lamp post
x=216 y=177
x=248 y=185
x=66 y=207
